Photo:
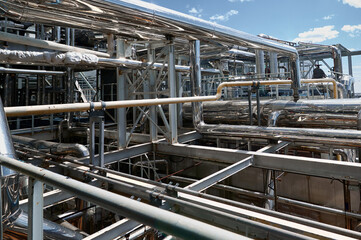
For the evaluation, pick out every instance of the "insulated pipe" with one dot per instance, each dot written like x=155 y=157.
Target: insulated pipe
x=337 y=61
x=27 y=41
x=260 y=66
x=168 y=222
x=195 y=80
x=77 y=150
x=133 y=18
x=295 y=75
x=77 y=107
x=9 y=178
x=351 y=138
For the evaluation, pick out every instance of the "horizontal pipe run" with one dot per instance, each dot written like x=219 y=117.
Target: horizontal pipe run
x=30 y=71
x=78 y=107
x=27 y=41
x=170 y=223
x=139 y=64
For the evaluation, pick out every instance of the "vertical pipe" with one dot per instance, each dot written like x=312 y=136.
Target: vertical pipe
x=7 y=88
x=101 y=142
x=295 y=76
x=337 y=61
x=110 y=43
x=153 y=131
x=121 y=112
x=195 y=80
x=92 y=140
x=273 y=64
x=260 y=67
x=350 y=65
x=172 y=81
x=180 y=94
x=250 y=113
x=35 y=220
x=258 y=107
x=27 y=91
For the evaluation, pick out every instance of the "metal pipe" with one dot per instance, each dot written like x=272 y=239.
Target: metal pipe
x=77 y=150
x=351 y=138
x=77 y=107
x=163 y=220
x=135 y=23
x=172 y=83
x=121 y=95
x=29 y=71
x=27 y=41
x=195 y=80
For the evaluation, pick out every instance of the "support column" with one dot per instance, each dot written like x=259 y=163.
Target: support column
x=153 y=131
x=195 y=80
x=121 y=112
x=172 y=82
x=35 y=220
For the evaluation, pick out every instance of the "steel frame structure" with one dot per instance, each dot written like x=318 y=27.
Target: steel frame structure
x=144 y=84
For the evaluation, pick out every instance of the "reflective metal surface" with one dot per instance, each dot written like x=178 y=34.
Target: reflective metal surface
x=10 y=178
x=331 y=113
x=52 y=230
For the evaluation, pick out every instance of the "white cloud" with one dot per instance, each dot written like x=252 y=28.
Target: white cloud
x=195 y=12
x=224 y=17
x=242 y=1
x=329 y=17
x=352 y=30
x=353 y=3
x=317 y=35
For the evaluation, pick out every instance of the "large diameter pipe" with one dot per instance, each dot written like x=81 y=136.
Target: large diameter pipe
x=349 y=138
x=195 y=80
x=8 y=37
x=75 y=149
x=168 y=222
x=78 y=107
x=9 y=178
x=133 y=17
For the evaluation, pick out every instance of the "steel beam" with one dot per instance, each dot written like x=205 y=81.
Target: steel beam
x=300 y=165
x=115 y=230
x=214 y=178
x=49 y=199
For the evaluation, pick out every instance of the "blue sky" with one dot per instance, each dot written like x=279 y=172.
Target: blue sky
x=318 y=21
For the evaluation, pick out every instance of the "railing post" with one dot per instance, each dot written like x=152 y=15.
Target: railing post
x=35 y=220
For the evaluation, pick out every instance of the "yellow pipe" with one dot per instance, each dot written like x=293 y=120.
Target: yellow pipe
x=78 y=107
x=324 y=80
